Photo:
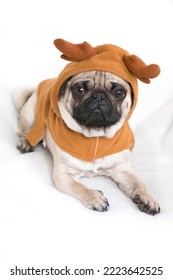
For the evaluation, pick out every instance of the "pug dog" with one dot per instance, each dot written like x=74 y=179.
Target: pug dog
x=94 y=106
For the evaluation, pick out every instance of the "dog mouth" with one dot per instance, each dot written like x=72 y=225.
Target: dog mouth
x=96 y=113
x=96 y=119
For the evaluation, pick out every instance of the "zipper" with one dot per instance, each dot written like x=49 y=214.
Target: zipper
x=96 y=148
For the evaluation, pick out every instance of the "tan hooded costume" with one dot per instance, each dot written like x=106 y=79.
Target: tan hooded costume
x=108 y=58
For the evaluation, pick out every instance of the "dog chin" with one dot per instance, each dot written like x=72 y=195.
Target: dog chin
x=89 y=132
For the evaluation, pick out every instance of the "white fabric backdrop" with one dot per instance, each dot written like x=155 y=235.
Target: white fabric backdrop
x=41 y=227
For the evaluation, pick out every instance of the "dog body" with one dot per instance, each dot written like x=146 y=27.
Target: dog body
x=96 y=105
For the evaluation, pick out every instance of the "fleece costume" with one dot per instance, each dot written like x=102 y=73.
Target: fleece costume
x=108 y=58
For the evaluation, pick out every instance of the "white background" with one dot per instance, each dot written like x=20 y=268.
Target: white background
x=42 y=227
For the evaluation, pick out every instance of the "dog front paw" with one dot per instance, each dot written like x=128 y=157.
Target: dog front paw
x=95 y=200
x=146 y=204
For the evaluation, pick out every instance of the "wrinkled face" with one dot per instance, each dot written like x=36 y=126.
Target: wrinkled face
x=95 y=103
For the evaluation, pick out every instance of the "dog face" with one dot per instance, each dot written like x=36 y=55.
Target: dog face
x=95 y=103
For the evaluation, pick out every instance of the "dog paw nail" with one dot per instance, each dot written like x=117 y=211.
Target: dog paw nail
x=100 y=191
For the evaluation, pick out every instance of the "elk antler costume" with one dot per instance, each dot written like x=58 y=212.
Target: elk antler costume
x=84 y=57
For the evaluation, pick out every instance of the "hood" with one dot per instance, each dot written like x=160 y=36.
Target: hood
x=108 y=58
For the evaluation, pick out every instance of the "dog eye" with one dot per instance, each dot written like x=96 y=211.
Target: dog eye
x=119 y=92
x=78 y=90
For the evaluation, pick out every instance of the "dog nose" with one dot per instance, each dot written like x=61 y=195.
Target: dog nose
x=99 y=96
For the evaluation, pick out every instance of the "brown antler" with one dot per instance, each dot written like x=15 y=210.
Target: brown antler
x=74 y=52
x=142 y=71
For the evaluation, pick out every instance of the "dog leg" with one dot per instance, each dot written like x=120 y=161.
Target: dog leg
x=26 y=121
x=92 y=199
x=134 y=188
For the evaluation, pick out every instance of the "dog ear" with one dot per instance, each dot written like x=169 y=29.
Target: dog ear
x=74 y=52
x=138 y=68
x=64 y=86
